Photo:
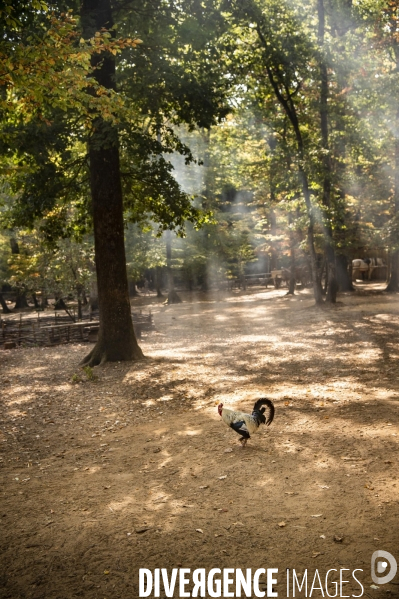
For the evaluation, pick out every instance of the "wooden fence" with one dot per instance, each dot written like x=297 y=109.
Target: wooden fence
x=46 y=330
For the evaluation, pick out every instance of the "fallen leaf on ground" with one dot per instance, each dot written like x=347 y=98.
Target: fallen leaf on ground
x=199 y=530
x=281 y=524
x=142 y=529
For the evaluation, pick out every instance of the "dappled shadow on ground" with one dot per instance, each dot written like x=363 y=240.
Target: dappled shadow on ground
x=135 y=469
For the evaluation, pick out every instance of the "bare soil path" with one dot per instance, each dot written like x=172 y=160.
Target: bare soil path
x=102 y=477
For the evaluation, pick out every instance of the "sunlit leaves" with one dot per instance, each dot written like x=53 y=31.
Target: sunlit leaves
x=53 y=68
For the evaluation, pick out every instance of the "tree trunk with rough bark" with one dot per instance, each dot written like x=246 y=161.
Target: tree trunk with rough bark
x=116 y=338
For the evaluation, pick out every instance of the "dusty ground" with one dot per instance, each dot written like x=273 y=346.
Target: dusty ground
x=100 y=478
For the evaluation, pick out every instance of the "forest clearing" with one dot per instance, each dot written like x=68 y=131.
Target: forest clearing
x=133 y=468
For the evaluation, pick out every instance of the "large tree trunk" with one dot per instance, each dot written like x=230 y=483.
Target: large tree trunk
x=116 y=338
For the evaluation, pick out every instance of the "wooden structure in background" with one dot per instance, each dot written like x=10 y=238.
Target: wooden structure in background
x=46 y=330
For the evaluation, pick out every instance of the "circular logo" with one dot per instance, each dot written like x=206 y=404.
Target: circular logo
x=382 y=566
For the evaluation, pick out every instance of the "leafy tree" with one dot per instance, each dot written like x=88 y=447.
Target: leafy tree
x=116 y=338
x=140 y=130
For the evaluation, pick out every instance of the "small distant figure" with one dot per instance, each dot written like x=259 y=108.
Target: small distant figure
x=146 y=287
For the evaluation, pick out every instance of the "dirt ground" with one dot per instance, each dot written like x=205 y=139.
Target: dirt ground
x=136 y=469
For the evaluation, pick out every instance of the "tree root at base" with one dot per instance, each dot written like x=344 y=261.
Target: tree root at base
x=99 y=355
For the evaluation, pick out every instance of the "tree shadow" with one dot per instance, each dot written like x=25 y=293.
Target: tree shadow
x=103 y=477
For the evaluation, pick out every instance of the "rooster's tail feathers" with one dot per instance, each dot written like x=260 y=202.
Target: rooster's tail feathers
x=265 y=402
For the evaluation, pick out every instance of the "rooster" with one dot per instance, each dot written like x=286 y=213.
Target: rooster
x=245 y=424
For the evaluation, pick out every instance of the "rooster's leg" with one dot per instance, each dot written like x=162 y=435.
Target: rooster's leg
x=243 y=442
